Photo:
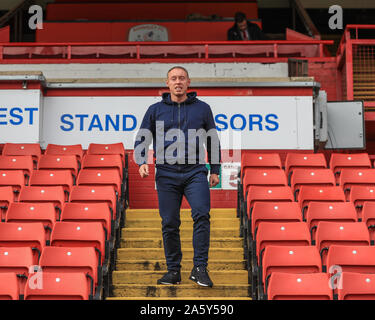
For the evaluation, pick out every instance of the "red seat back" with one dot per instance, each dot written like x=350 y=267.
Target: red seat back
x=356 y=286
x=9 y=288
x=59 y=286
x=56 y=149
x=290 y=286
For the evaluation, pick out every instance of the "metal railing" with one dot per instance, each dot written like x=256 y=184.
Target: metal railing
x=298 y=8
x=263 y=51
x=356 y=65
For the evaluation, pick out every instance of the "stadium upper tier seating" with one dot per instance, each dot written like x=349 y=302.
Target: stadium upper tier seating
x=160 y=10
x=54 y=229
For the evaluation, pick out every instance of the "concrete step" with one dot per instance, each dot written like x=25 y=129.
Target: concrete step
x=213 y=210
x=185 y=223
x=184 y=213
x=151 y=277
x=186 y=232
x=185 y=242
x=186 y=265
x=158 y=253
x=178 y=298
x=182 y=290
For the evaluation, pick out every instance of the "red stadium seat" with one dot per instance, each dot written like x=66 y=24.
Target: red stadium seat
x=274 y=212
x=311 y=177
x=308 y=194
x=24 y=163
x=329 y=211
x=351 y=259
x=267 y=193
x=356 y=286
x=263 y=177
x=23 y=149
x=59 y=162
x=352 y=177
x=73 y=259
x=368 y=214
x=339 y=161
x=280 y=233
x=6 y=198
x=107 y=148
x=81 y=234
x=13 y=178
x=62 y=178
x=359 y=195
x=290 y=286
x=303 y=161
x=108 y=161
x=95 y=194
x=17 y=234
x=53 y=194
x=19 y=260
x=260 y=160
x=33 y=212
x=9 y=288
x=57 y=149
x=59 y=286
x=100 y=177
x=340 y=233
x=290 y=259
x=88 y=212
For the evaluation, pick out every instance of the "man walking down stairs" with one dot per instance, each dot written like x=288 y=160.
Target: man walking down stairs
x=141 y=261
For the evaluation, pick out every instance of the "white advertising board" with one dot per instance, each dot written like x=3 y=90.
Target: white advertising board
x=229 y=175
x=245 y=122
x=20 y=112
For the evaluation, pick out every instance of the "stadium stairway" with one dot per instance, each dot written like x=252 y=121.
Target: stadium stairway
x=140 y=259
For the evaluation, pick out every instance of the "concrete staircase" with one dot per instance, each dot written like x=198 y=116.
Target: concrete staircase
x=141 y=261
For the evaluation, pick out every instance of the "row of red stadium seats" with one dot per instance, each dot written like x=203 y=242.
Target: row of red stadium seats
x=292 y=160
x=62 y=177
x=34 y=149
x=307 y=194
x=91 y=192
x=319 y=177
x=316 y=286
x=337 y=161
x=60 y=272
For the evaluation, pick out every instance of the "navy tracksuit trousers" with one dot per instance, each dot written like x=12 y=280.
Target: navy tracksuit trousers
x=172 y=185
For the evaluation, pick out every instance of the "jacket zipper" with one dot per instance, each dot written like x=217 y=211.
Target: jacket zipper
x=179 y=116
x=179 y=127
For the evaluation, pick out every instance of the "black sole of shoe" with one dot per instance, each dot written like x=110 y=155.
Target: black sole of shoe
x=200 y=284
x=166 y=283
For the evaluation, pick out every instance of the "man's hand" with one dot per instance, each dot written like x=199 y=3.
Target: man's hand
x=214 y=180
x=143 y=171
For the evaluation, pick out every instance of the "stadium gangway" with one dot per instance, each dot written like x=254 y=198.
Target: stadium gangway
x=355 y=63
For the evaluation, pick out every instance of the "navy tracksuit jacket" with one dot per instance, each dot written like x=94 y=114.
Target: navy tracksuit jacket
x=176 y=174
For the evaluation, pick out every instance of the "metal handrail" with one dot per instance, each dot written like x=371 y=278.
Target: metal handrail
x=306 y=20
x=203 y=47
x=169 y=43
x=12 y=12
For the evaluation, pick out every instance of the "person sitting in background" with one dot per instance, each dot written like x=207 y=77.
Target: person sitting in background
x=244 y=30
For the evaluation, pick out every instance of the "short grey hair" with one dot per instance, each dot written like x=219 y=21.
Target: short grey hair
x=178 y=67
